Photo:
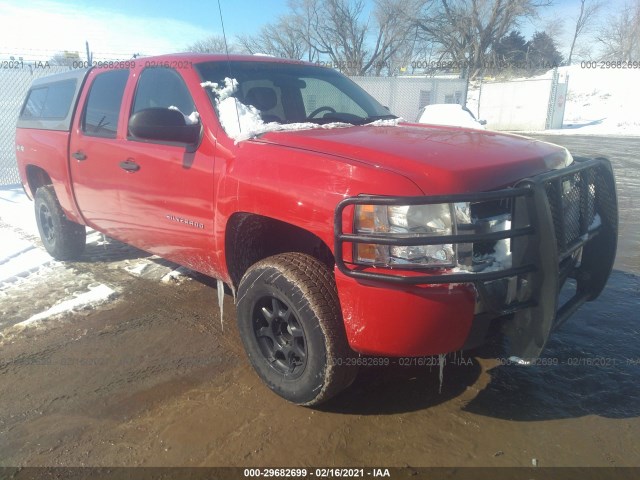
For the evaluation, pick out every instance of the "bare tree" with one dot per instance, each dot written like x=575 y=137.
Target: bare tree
x=283 y=38
x=396 y=34
x=338 y=31
x=211 y=44
x=589 y=10
x=554 y=26
x=335 y=30
x=466 y=30
x=621 y=35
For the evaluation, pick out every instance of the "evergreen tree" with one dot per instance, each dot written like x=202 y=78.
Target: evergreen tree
x=543 y=53
x=511 y=49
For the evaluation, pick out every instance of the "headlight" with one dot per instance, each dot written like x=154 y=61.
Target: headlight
x=409 y=221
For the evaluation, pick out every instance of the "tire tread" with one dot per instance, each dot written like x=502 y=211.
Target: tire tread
x=318 y=287
x=71 y=240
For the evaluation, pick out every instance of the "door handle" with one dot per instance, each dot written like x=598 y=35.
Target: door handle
x=130 y=166
x=79 y=155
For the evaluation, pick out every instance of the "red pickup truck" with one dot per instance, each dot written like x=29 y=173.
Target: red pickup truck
x=341 y=229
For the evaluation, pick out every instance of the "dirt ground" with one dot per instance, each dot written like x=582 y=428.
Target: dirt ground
x=151 y=378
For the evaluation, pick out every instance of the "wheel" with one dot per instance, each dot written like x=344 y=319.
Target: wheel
x=290 y=322
x=62 y=238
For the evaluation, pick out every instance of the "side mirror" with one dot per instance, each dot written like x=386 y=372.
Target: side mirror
x=164 y=125
x=482 y=122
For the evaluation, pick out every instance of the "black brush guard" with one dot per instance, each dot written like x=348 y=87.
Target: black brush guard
x=564 y=225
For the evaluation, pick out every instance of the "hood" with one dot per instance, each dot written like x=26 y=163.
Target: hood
x=440 y=160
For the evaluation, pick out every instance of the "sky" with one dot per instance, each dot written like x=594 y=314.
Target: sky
x=44 y=27
x=37 y=29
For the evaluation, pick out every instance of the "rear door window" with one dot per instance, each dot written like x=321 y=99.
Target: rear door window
x=102 y=109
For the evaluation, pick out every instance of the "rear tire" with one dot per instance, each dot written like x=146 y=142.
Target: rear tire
x=291 y=325
x=62 y=238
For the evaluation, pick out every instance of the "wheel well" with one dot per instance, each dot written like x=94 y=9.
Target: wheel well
x=250 y=238
x=36 y=178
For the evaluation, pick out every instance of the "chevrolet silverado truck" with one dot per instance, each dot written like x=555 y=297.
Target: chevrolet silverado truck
x=344 y=232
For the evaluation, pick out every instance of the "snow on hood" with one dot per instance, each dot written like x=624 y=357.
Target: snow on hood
x=242 y=122
x=450 y=114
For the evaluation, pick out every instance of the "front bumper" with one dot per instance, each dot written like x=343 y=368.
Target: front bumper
x=564 y=226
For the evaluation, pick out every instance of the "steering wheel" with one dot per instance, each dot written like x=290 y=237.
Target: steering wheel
x=320 y=109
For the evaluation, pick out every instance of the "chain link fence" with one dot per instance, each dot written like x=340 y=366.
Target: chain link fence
x=531 y=104
x=14 y=83
x=406 y=96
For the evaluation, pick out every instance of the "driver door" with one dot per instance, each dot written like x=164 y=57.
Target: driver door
x=168 y=191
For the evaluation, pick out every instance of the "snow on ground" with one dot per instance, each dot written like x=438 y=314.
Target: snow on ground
x=22 y=264
x=33 y=286
x=17 y=210
x=599 y=101
x=96 y=295
x=36 y=290
x=13 y=246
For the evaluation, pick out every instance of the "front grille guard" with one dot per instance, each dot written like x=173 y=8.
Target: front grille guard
x=541 y=248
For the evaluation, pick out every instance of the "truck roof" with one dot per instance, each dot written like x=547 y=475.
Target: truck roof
x=212 y=57
x=67 y=86
x=78 y=74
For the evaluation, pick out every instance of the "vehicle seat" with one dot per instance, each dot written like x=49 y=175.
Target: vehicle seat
x=264 y=99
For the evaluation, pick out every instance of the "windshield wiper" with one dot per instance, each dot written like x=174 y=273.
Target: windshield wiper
x=373 y=118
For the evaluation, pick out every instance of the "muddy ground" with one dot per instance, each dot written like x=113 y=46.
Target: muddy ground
x=151 y=378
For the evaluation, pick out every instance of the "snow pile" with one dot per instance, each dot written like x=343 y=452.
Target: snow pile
x=242 y=122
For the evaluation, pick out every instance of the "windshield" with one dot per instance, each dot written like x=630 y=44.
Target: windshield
x=285 y=93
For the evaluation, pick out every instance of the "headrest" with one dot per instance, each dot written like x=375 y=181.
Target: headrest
x=263 y=98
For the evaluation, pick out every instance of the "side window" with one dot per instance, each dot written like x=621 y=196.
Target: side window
x=50 y=101
x=162 y=87
x=100 y=117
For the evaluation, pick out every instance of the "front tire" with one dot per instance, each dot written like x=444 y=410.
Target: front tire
x=290 y=322
x=62 y=238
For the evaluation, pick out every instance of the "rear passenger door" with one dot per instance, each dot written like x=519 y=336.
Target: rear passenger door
x=96 y=150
